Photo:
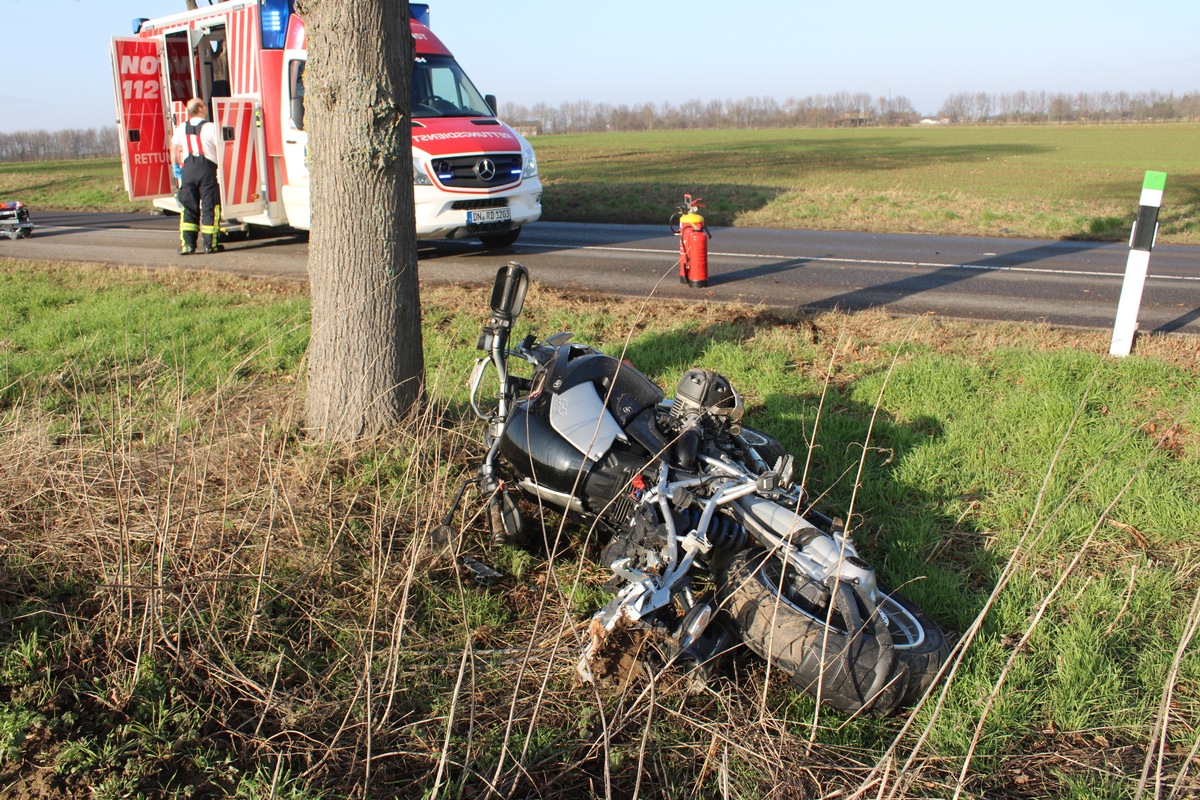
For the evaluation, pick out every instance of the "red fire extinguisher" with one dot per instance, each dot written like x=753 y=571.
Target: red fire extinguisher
x=693 y=243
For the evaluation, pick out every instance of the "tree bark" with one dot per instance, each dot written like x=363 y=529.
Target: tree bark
x=365 y=365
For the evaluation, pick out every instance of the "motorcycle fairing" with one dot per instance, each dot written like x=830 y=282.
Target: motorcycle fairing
x=626 y=391
x=579 y=416
x=629 y=396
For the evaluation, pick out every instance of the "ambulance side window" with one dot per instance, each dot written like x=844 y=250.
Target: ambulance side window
x=296 y=93
x=179 y=67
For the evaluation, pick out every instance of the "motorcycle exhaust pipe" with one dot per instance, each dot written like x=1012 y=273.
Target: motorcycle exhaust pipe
x=702 y=641
x=703 y=655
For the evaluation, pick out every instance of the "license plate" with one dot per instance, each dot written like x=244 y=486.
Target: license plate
x=489 y=215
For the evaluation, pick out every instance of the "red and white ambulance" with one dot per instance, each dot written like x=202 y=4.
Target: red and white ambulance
x=474 y=176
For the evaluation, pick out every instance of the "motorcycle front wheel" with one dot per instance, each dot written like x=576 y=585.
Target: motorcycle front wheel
x=868 y=657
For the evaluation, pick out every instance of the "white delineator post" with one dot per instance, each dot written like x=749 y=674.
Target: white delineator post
x=1141 y=242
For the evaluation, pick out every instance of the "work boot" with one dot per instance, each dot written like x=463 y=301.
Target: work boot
x=187 y=251
x=211 y=246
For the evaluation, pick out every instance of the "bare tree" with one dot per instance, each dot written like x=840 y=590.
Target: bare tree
x=365 y=362
x=817 y=111
x=957 y=107
x=1060 y=107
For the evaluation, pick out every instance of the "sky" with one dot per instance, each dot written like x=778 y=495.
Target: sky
x=59 y=75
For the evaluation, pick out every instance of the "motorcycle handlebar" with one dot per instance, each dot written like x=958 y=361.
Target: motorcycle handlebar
x=530 y=350
x=508 y=293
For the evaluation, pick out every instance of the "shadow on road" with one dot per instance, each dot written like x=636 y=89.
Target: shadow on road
x=64 y=223
x=541 y=237
x=1179 y=323
x=758 y=271
x=896 y=290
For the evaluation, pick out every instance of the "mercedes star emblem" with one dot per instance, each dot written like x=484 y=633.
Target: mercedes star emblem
x=485 y=168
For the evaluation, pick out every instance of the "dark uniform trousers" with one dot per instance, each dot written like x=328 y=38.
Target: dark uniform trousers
x=200 y=197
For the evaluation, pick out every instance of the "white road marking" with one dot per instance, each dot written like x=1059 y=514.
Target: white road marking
x=869 y=262
x=984 y=267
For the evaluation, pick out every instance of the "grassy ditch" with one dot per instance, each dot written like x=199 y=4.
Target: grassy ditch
x=1047 y=182
x=195 y=601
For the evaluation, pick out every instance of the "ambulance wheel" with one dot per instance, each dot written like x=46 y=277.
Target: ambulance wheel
x=495 y=241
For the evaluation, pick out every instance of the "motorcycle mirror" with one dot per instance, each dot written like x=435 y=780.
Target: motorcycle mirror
x=508 y=293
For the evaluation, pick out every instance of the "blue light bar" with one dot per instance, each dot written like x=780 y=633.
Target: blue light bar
x=273 y=18
x=419 y=12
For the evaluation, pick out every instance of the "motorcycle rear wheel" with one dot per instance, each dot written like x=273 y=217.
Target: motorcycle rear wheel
x=867 y=665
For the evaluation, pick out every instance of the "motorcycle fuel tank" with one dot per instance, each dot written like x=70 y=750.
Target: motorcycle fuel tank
x=537 y=451
x=551 y=460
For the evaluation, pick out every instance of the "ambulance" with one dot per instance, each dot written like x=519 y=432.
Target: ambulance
x=474 y=177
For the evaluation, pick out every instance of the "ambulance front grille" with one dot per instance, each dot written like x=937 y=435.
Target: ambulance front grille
x=479 y=172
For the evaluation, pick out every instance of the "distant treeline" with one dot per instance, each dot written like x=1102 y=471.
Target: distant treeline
x=816 y=111
x=1042 y=107
x=66 y=145
x=857 y=109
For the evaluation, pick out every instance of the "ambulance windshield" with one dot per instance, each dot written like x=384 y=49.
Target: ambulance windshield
x=441 y=89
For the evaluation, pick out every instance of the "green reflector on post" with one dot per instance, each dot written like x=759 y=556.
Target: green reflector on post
x=1155 y=180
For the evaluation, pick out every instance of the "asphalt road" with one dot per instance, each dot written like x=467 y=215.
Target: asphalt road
x=1063 y=283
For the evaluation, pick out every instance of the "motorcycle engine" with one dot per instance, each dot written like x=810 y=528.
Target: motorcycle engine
x=643 y=544
x=705 y=395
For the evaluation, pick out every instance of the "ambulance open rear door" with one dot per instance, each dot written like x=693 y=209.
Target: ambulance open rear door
x=240 y=148
x=142 y=117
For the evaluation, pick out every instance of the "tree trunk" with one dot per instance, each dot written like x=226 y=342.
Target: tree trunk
x=365 y=366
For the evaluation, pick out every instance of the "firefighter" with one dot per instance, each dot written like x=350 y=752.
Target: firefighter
x=194 y=147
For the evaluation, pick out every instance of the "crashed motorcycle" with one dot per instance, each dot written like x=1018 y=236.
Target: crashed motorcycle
x=709 y=540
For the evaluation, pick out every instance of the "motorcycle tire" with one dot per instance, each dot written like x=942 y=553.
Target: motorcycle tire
x=868 y=666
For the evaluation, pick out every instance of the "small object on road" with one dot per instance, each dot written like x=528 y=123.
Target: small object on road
x=693 y=242
x=14 y=220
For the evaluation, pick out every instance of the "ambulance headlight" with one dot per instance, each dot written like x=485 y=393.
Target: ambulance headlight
x=420 y=176
x=530 y=159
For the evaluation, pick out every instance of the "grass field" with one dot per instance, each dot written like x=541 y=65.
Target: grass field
x=195 y=601
x=1047 y=182
x=91 y=185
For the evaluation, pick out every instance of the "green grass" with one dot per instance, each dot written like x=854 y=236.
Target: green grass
x=195 y=601
x=1045 y=182
x=62 y=329
x=93 y=184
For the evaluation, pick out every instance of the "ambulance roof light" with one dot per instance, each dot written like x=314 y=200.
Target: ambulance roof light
x=419 y=12
x=273 y=19
x=138 y=22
